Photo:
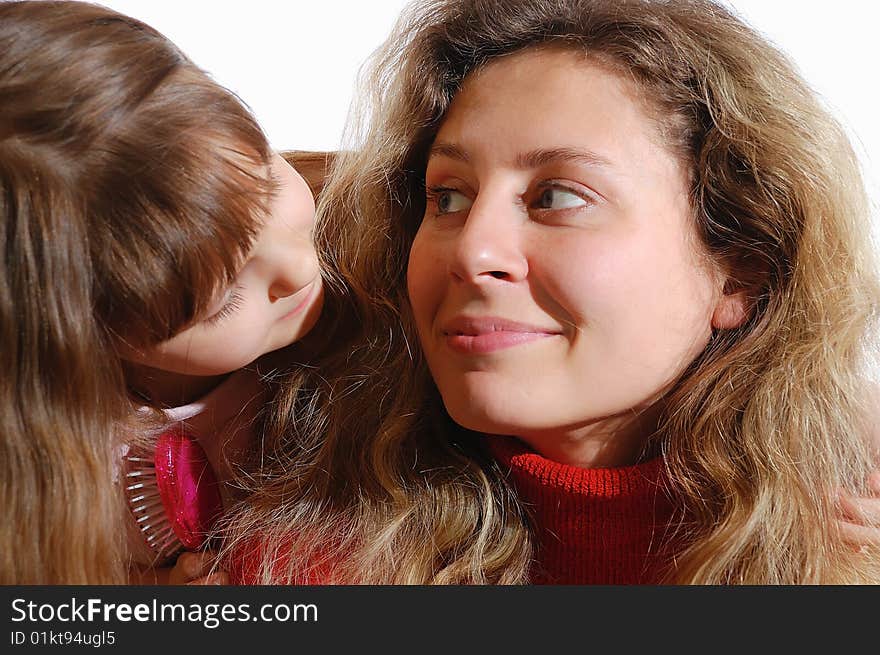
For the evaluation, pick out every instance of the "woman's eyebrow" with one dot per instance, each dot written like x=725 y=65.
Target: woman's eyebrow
x=532 y=159
x=544 y=156
x=450 y=150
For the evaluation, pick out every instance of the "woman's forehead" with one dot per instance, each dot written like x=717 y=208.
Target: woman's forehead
x=540 y=104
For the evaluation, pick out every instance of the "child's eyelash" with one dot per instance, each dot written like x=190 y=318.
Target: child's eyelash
x=231 y=306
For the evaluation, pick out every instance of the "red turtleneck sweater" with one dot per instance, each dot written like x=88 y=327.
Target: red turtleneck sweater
x=592 y=526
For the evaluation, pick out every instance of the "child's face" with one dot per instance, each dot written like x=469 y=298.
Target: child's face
x=555 y=279
x=275 y=299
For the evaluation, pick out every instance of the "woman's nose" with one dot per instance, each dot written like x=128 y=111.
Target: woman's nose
x=488 y=246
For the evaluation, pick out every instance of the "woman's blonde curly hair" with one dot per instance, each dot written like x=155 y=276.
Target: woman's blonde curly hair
x=366 y=478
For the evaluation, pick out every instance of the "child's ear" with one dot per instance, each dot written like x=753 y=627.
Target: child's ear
x=731 y=311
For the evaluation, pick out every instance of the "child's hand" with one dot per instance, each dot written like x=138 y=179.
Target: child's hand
x=190 y=568
x=860 y=517
x=193 y=569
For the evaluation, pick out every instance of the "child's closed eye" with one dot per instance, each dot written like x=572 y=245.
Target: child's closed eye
x=232 y=305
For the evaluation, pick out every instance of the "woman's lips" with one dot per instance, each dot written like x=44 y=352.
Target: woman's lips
x=481 y=335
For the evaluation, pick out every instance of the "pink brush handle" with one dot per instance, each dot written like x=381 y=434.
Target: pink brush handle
x=187 y=486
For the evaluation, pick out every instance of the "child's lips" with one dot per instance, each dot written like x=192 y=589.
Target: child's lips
x=302 y=300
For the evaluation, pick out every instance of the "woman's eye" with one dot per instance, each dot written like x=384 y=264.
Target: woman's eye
x=556 y=198
x=450 y=201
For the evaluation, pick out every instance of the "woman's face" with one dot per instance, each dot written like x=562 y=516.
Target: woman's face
x=275 y=299
x=555 y=279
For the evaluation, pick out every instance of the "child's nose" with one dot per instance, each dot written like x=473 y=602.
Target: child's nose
x=281 y=288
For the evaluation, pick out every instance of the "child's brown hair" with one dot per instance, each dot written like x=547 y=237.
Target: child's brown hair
x=131 y=187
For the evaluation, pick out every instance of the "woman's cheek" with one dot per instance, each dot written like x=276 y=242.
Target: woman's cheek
x=424 y=275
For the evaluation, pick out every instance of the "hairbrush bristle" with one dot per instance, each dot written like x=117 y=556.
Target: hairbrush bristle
x=145 y=503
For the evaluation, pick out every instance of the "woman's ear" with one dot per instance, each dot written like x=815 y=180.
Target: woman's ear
x=731 y=311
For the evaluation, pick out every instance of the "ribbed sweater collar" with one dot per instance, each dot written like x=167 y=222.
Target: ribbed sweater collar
x=593 y=526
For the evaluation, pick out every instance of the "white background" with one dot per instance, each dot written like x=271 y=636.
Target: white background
x=295 y=62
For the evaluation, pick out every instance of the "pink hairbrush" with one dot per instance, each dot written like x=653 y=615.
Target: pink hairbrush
x=173 y=494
